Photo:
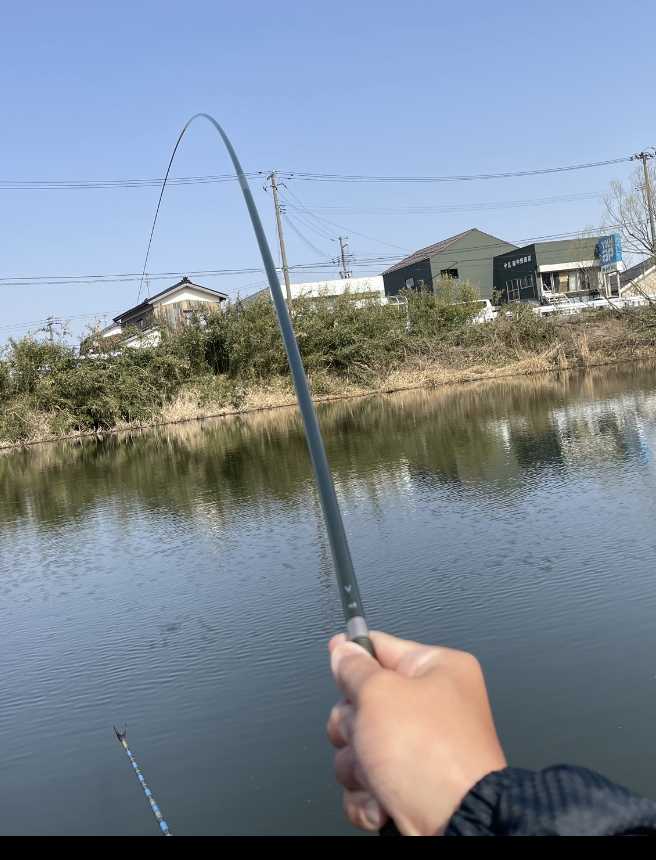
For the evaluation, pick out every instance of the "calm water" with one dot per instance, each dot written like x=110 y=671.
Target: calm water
x=180 y=582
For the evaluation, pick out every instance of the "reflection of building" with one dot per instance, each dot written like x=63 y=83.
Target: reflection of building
x=600 y=431
x=546 y=272
x=467 y=257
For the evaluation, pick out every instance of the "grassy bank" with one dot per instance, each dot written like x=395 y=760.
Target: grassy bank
x=234 y=361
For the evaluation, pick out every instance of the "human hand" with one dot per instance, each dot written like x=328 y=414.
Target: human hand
x=413 y=734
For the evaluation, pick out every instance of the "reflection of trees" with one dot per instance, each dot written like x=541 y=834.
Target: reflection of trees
x=480 y=433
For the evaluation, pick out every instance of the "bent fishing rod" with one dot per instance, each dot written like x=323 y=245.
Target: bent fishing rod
x=356 y=625
x=354 y=617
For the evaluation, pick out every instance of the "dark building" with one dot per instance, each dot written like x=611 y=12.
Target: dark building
x=467 y=257
x=547 y=272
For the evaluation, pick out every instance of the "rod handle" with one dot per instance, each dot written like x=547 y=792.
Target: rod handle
x=389 y=828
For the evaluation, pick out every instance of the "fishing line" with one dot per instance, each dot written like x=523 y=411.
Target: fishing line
x=354 y=617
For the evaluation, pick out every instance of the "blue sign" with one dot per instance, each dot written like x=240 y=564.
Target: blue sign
x=609 y=250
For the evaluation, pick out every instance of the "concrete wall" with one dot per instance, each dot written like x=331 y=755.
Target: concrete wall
x=370 y=286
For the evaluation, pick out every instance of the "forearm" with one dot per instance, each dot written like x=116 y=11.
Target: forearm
x=558 y=801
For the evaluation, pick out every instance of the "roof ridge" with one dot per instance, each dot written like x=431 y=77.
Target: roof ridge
x=438 y=247
x=183 y=282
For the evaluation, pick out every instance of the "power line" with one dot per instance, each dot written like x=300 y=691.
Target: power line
x=320 y=219
x=303 y=238
x=446 y=208
x=311 y=223
x=94 y=184
x=301 y=207
x=307 y=176
x=130 y=277
x=102 y=278
x=541 y=171
x=306 y=216
x=47 y=324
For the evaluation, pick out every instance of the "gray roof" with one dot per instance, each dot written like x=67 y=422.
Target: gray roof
x=183 y=282
x=629 y=275
x=437 y=248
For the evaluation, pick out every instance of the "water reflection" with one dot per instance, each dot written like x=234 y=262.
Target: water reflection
x=179 y=580
x=489 y=435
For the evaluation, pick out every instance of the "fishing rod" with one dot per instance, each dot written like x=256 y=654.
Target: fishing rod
x=349 y=592
x=122 y=738
x=354 y=617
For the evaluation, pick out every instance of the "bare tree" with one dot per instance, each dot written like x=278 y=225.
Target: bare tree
x=628 y=210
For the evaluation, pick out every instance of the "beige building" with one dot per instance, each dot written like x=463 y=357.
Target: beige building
x=171 y=307
x=639 y=280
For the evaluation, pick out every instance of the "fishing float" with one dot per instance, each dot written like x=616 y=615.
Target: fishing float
x=122 y=738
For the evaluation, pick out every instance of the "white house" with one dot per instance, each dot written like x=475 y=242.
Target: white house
x=172 y=306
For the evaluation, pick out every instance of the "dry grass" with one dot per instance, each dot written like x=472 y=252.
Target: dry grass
x=279 y=394
x=522 y=348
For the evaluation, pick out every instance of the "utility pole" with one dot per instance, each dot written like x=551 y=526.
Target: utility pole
x=49 y=326
x=643 y=156
x=283 y=252
x=343 y=245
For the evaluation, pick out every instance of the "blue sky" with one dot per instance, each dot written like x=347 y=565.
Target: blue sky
x=100 y=91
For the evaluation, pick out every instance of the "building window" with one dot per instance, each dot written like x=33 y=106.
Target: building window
x=449 y=273
x=410 y=282
x=512 y=290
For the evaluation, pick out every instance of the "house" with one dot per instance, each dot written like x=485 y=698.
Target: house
x=141 y=324
x=552 y=272
x=468 y=256
x=639 y=280
x=171 y=307
x=359 y=288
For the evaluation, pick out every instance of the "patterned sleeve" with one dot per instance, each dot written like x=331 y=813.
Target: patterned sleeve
x=558 y=801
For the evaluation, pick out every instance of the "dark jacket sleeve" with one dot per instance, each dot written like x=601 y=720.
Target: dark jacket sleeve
x=558 y=801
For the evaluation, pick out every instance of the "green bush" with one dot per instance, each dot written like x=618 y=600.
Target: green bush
x=28 y=361
x=222 y=353
x=348 y=339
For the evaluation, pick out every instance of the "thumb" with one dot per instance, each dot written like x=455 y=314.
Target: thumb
x=351 y=666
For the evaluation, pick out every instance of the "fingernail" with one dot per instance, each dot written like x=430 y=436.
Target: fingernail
x=335 y=641
x=373 y=814
x=342 y=650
